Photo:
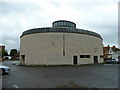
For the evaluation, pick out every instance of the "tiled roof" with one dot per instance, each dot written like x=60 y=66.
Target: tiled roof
x=106 y=49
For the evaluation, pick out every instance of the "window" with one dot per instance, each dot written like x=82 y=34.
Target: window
x=67 y=23
x=55 y=24
x=62 y=24
x=63 y=52
x=87 y=56
x=82 y=56
x=58 y=23
x=101 y=56
x=71 y=25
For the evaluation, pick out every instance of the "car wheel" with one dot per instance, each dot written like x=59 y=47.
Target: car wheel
x=3 y=72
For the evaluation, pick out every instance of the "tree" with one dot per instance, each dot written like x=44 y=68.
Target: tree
x=13 y=52
x=3 y=53
x=18 y=53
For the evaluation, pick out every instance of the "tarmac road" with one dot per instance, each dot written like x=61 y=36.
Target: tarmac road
x=90 y=76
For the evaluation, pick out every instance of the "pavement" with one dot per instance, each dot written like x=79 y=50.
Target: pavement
x=89 y=76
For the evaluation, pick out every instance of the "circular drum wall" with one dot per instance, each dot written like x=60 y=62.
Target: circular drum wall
x=53 y=48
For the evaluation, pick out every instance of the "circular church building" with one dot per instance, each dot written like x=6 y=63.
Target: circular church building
x=61 y=44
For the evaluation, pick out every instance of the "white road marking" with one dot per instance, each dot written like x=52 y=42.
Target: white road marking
x=15 y=86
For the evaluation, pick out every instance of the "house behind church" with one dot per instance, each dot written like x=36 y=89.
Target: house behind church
x=111 y=52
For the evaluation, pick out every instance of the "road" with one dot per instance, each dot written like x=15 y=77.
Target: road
x=90 y=76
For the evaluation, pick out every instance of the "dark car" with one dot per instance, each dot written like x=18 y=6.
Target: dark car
x=112 y=61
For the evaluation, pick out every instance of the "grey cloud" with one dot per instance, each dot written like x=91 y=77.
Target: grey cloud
x=26 y=15
x=11 y=42
x=18 y=7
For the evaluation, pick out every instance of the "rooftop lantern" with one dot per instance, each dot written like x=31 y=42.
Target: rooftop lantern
x=63 y=23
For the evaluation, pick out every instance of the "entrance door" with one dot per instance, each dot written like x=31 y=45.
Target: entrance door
x=95 y=59
x=75 y=60
x=23 y=58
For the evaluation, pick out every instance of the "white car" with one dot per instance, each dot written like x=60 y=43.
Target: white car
x=4 y=69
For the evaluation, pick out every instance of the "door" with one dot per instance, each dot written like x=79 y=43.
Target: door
x=95 y=59
x=75 y=60
x=23 y=59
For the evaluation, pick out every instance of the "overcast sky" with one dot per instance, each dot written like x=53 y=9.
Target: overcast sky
x=17 y=16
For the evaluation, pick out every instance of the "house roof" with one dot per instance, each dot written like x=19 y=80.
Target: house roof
x=115 y=49
x=106 y=49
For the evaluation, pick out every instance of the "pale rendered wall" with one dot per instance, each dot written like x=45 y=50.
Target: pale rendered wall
x=47 y=48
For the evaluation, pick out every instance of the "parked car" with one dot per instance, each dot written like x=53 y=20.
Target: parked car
x=118 y=61
x=4 y=69
x=7 y=57
x=111 y=61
